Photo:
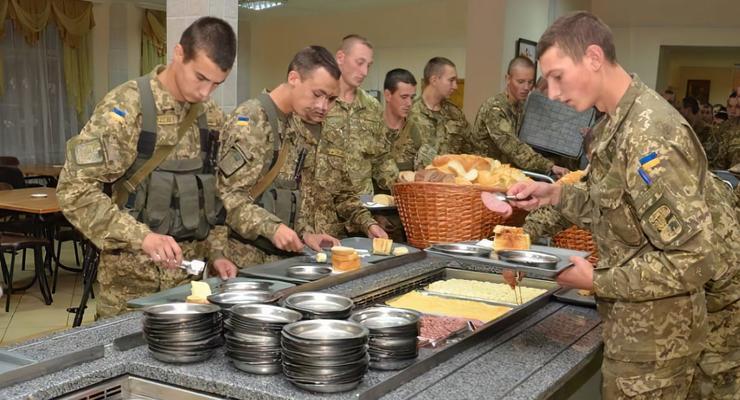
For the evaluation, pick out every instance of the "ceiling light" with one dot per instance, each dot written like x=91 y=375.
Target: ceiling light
x=258 y=5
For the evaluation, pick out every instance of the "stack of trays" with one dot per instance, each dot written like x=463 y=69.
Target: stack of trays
x=325 y=355
x=393 y=336
x=253 y=336
x=316 y=305
x=182 y=332
x=228 y=299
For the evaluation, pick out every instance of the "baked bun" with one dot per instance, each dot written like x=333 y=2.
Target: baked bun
x=384 y=199
x=510 y=238
x=571 y=177
x=406 y=176
x=433 y=175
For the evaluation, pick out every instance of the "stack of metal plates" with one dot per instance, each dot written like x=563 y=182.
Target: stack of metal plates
x=228 y=299
x=393 y=336
x=317 y=305
x=182 y=332
x=240 y=286
x=253 y=336
x=325 y=355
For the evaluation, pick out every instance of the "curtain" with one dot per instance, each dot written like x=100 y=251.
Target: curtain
x=3 y=15
x=74 y=21
x=153 y=40
x=36 y=119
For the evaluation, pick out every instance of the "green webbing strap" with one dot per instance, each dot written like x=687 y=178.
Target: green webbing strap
x=269 y=106
x=124 y=187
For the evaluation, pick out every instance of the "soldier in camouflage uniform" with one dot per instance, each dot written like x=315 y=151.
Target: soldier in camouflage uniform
x=690 y=110
x=134 y=260
x=727 y=136
x=438 y=120
x=249 y=150
x=353 y=124
x=649 y=197
x=498 y=120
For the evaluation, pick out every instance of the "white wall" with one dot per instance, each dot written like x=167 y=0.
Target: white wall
x=525 y=19
x=404 y=36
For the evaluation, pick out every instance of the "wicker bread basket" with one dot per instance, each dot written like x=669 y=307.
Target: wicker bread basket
x=433 y=212
x=575 y=238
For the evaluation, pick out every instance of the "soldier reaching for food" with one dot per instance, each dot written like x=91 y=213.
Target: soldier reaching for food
x=144 y=138
x=667 y=284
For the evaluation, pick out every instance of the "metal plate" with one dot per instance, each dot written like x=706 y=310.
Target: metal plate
x=265 y=313
x=179 y=309
x=533 y=271
x=309 y=272
x=461 y=249
x=571 y=296
x=180 y=293
x=318 y=302
x=228 y=299
x=385 y=317
x=326 y=329
x=529 y=257
x=244 y=285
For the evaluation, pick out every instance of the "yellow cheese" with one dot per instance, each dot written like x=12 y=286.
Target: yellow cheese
x=484 y=290
x=200 y=289
x=400 y=250
x=448 y=307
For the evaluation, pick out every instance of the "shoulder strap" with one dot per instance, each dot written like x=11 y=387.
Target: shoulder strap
x=281 y=149
x=124 y=187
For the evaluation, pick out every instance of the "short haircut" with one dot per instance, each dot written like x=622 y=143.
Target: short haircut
x=312 y=58
x=690 y=103
x=519 y=62
x=214 y=37
x=573 y=33
x=351 y=40
x=396 y=76
x=435 y=67
x=733 y=94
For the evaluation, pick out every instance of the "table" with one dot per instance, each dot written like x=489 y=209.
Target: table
x=40 y=202
x=48 y=172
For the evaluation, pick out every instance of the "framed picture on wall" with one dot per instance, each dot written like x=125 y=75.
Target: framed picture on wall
x=527 y=48
x=698 y=89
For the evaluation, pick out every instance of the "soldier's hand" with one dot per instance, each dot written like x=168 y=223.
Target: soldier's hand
x=162 y=249
x=375 y=231
x=579 y=276
x=510 y=277
x=318 y=240
x=534 y=194
x=225 y=268
x=559 y=172
x=286 y=239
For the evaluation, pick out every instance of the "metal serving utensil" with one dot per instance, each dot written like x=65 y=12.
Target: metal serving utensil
x=194 y=267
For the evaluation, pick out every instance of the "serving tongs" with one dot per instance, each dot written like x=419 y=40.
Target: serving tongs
x=194 y=267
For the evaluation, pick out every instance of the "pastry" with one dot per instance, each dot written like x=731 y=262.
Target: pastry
x=384 y=199
x=510 y=238
x=382 y=246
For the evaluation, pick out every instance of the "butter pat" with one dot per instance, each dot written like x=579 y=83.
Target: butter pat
x=199 y=292
x=320 y=257
x=400 y=250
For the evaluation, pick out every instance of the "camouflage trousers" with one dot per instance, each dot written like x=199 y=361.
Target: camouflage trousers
x=245 y=255
x=668 y=380
x=127 y=275
x=392 y=225
x=717 y=377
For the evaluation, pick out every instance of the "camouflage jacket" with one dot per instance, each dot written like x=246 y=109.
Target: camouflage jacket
x=106 y=148
x=727 y=136
x=496 y=135
x=357 y=129
x=329 y=204
x=447 y=129
x=645 y=195
x=409 y=147
x=245 y=155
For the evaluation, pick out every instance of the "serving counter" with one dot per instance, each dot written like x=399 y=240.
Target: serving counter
x=544 y=354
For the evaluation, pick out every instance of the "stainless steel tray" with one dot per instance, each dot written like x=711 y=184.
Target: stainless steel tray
x=10 y=361
x=563 y=254
x=571 y=296
x=178 y=294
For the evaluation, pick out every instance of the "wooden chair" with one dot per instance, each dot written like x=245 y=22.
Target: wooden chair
x=14 y=243
x=10 y=161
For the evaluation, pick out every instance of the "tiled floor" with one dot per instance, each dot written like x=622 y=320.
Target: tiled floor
x=29 y=317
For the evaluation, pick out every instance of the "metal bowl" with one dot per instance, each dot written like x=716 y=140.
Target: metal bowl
x=318 y=302
x=244 y=285
x=229 y=299
x=265 y=313
x=259 y=369
x=529 y=257
x=385 y=317
x=309 y=272
x=462 y=249
x=326 y=329
x=176 y=310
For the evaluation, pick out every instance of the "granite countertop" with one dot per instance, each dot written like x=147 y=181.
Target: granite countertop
x=528 y=360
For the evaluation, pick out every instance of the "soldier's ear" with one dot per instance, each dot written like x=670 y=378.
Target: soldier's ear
x=387 y=95
x=340 y=57
x=179 y=54
x=294 y=78
x=594 y=57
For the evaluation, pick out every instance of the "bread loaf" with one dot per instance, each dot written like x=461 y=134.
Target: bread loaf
x=510 y=238
x=344 y=258
x=383 y=199
x=406 y=176
x=382 y=246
